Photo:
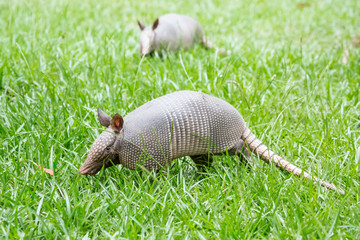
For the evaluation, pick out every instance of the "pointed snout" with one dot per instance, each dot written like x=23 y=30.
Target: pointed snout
x=145 y=45
x=89 y=168
x=84 y=170
x=145 y=51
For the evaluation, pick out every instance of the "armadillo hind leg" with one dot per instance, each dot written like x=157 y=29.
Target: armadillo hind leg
x=241 y=149
x=202 y=162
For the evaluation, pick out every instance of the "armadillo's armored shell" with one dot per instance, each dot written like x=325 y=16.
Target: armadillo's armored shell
x=180 y=124
x=177 y=32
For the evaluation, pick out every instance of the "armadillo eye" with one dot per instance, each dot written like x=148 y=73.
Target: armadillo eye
x=108 y=148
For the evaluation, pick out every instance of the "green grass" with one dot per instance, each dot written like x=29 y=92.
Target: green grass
x=60 y=60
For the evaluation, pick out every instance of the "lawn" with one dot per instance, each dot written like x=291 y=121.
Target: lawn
x=293 y=72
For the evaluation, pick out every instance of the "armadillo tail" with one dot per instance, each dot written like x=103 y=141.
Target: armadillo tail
x=257 y=147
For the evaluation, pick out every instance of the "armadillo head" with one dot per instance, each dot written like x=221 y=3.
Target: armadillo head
x=147 y=37
x=105 y=149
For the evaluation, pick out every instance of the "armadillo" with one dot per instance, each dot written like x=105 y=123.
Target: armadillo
x=172 y=32
x=183 y=123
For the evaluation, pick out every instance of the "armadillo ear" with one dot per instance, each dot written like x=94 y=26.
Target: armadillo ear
x=155 y=24
x=141 y=25
x=104 y=119
x=117 y=123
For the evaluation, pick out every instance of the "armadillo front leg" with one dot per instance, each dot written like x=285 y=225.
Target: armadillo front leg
x=241 y=150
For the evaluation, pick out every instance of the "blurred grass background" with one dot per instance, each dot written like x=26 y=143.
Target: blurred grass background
x=60 y=60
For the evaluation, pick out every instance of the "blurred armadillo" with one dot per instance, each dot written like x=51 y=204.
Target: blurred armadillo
x=183 y=123
x=172 y=32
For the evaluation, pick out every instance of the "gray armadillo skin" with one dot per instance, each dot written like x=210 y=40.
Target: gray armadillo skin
x=106 y=138
x=172 y=32
x=177 y=31
x=179 y=124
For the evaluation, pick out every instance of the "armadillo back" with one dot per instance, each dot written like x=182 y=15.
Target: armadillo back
x=179 y=124
x=177 y=31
